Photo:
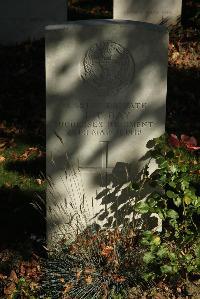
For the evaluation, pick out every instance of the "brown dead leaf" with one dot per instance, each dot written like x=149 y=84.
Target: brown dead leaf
x=106 y=251
x=62 y=280
x=34 y=286
x=2 y=277
x=171 y=46
x=22 y=269
x=89 y=270
x=30 y=269
x=8 y=185
x=175 y=55
x=3 y=143
x=2 y=159
x=119 y=278
x=9 y=289
x=39 y=181
x=68 y=286
x=78 y=274
x=11 y=286
x=88 y=279
x=6 y=143
x=6 y=255
x=13 y=276
x=31 y=151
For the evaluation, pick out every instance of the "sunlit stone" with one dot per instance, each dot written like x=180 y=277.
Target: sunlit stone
x=167 y=12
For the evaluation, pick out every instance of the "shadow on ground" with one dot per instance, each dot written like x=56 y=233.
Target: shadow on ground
x=19 y=219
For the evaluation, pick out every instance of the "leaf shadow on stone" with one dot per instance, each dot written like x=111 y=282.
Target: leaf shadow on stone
x=121 y=199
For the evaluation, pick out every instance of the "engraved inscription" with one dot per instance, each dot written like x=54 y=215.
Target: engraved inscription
x=108 y=67
x=115 y=121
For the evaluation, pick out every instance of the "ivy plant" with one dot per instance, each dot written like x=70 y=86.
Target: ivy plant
x=175 y=251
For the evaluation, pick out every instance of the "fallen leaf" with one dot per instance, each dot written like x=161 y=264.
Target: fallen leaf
x=39 y=181
x=2 y=159
x=88 y=270
x=9 y=289
x=5 y=143
x=106 y=250
x=88 y=279
x=7 y=185
x=175 y=55
x=119 y=278
x=78 y=274
x=13 y=276
x=62 y=280
x=30 y=151
x=68 y=286
x=34 y=286
x=2 y=277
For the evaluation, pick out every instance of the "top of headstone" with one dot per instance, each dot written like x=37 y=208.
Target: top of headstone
x=165 y=12
x=148 y=26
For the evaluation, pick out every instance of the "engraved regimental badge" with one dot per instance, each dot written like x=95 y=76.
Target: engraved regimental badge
x=107 y=67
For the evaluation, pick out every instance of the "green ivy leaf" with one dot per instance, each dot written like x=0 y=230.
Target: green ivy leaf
x=188 y=257
x=197 y=252
x=166 y=269
x=177 y=201
x=164 y=164
x=161 y=215
x=191 y=268
x=156 y=240
x=162 y=252
x=142 y=207
x=148 y=257
x=149 y=276
x=172 y=256
x=172 y=214
x=173 y=168
x=184 y=185
x=148 y=234
x=175 y=268
x=171 y=194
x=172 y=184
x=152 y=202
x=187 y=200
x=160 y=160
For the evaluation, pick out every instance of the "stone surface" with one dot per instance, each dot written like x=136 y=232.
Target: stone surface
x=106 y=97
x=150 y=11
x=26 y=19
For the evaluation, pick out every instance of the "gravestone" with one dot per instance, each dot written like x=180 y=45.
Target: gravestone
x=26 y=19
x=106 y=96
x=151 y=11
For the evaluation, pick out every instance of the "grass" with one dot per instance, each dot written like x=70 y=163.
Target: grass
x=24 y=174
x=21 y=182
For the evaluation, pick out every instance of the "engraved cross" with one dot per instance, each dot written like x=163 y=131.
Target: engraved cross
x=104 y=160
x=104 y=167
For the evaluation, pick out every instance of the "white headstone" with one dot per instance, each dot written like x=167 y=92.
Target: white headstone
x=150 y=11
x=26 y=19
x=106 y=97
